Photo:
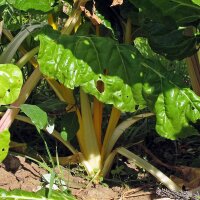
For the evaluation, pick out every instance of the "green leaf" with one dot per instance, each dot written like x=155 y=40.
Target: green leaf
x=40 y=195
x=133 y=81
x=10 y=82
x=2 y=2
x=169 y=42
x=196 y=2
x=182 y=11
x=64 y=135
x=4 y=144
x=52 y=105
x=37 y=115
x=164 y=23
x=44 y=5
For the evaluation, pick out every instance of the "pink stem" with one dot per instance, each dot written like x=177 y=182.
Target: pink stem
x=10 y=114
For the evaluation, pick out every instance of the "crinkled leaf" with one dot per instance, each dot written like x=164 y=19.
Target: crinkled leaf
x=44 y=5
x=10 y=83
x=40 y=195
x=4 y=144
x=37 y=115
x=133 y=81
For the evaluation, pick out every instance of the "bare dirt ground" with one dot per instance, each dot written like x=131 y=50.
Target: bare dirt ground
x=18 y=173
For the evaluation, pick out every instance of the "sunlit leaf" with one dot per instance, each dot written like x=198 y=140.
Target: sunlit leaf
x=133 y=81
x=37 y=115
x=10 y=83
x=44 y=5
x=20 y=195
x=4 y=144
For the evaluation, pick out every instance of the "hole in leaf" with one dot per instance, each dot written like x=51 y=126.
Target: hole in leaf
x=136 y=107
x=2 y=149
x=8 y=90
x=193 y=108
x=127 y=96
x=100 y=86
x=99 y=76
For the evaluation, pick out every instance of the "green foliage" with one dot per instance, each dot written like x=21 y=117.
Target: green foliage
x=164 y=23
x=4 y=144
x=133 y=80
x=182 y=12
x=20 y=194
x=10 y=82
x=37 y=115
x=44 y=5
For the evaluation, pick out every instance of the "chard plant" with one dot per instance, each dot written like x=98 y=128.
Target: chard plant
x=110 y=52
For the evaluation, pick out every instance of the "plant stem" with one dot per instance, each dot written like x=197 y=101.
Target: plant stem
x=51 y=22
x=89 y=143
x=150 y=168
x=114 y=118
x=128 y=31
x=119 y=130
x=29 y=85
x=27 y=57
x=74 y=18
x=193 y=67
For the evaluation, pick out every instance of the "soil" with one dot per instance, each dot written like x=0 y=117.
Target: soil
x=18 y=173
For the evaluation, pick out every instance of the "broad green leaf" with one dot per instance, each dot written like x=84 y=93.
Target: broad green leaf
x=4 y=144
x=44 y=5
x=37 y=115
x=162 y=23
x=182 y=11
x=40 y=195
x=169 y=42
x=10 y=83
x=2 y=2
x=133 y=81
x=196 y=2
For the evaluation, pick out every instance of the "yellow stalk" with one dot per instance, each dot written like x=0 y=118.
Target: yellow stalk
x=89 y=140
x=80 y=133
x=97 y=119
x=119 y=130
x=108 y=163
x=114 y=118
x=51 y=22
x=98 y=114
x=73 y=18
